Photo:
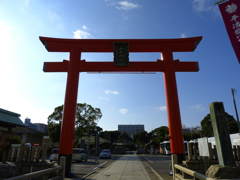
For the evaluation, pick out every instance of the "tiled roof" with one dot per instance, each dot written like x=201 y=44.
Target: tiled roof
x=10 y=118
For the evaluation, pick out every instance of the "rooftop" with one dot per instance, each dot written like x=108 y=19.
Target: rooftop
x=8 y=118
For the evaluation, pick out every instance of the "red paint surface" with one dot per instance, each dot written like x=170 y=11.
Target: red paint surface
x=232 y=26
x=167 y=65
x=106 y=45
x=67 y=129
x=173 y=110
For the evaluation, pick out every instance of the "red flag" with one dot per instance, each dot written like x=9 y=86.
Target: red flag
x=231 y=16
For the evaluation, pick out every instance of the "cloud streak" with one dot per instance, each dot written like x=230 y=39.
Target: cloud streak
x=198 y=107
x=126 y=5
x=114 y=92
x=123 y=110
x=203 y=5
x=123 y=5
x=161 y=108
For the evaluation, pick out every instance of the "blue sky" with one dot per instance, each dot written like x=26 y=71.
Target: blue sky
x=123 y=98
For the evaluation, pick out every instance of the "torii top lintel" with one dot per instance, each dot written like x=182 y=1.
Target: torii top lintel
x=106 y=45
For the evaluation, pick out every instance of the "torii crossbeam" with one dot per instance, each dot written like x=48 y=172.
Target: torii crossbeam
x=74 y=66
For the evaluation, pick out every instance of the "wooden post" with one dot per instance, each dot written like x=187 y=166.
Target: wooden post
x=174 y=161
x=210 y=151
x=190 y=151
x=238 y=152
x=222 y=138
x=235 y=153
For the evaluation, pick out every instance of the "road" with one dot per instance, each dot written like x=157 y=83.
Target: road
x=83 y=169
x=124 y=167
x=159 y=163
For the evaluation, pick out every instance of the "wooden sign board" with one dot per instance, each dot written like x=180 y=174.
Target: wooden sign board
x=121 y=53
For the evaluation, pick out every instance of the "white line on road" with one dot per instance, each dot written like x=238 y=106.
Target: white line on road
x=153 y=170
x=94 y=170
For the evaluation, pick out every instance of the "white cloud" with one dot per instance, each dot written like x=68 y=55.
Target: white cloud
x=84 y=27
x=203 y=5
x=111 y=92
x=126 y=5
x=123 y=110
x=198 y=107
x=122 y=4
x=162 y=108
x=81 y=34
x=183 y=35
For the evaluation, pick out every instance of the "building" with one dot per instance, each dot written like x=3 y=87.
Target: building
x=9 y=121
x=130 y=129
x=40 y=127
x=14 y=131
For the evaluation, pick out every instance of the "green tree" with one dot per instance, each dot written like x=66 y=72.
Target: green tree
x=159 y=134
x=141 y=138
x=85 y=122
x=112 y=136
x=206 y=125
x=191 y=133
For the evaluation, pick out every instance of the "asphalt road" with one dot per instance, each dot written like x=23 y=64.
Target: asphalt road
x=82 y=169
x=156 y=166
x=159 y=163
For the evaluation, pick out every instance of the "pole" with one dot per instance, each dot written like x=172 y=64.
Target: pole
x=69 y=111
x=173 y=109
x=235 y=107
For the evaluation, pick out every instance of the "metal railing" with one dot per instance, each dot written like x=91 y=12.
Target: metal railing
x=184 y=171
x=60 y=169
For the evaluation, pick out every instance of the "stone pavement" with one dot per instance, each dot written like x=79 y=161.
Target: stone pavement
x=128 y=167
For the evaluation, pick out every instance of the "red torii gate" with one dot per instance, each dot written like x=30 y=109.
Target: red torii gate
x=167 y=65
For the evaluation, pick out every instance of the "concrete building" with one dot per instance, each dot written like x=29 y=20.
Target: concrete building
x=40 y=127
x=130 y=129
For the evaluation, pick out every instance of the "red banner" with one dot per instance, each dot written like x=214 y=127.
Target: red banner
x=231 y=15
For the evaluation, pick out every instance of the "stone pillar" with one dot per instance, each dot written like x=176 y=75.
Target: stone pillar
x=45 y=146
x=222 y=138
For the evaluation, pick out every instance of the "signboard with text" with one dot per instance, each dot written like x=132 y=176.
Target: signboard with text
x=230 y=11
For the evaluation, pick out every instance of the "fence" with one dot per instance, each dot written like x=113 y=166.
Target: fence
x=58 y=170
x=194 y=154
x=181 y=172
x=25 y=153
x=20 y=159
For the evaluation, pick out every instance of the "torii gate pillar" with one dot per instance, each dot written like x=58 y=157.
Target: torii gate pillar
x=69 y=110
x=173 y=109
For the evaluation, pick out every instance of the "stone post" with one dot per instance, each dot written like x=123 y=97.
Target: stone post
x=222 y=138
x=45 y=146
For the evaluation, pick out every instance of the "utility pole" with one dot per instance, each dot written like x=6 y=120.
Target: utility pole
x=235 y=107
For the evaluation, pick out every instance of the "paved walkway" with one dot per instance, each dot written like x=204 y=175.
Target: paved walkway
x=128 y=167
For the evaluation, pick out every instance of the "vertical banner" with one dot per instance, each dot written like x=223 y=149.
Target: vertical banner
x=230 y=11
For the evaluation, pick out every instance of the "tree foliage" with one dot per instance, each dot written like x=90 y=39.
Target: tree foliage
x=190 y=133
x=85 y=122
x=207 y=129
x=159 y=134
x=141 y=138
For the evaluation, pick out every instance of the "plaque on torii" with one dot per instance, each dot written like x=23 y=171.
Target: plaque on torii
x=167 y=65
